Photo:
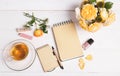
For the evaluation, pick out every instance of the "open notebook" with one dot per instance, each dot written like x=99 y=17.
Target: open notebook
x=67 y=41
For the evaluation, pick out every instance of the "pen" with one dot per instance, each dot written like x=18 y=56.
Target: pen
x=61 y=66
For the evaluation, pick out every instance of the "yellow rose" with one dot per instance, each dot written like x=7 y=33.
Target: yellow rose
x=103 y=14
x=94 y=27
x=110 y=20
x=89 y=12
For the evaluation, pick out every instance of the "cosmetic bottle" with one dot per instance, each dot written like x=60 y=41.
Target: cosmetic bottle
x=87 y=44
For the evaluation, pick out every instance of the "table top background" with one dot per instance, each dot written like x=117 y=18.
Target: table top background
x=105 y=50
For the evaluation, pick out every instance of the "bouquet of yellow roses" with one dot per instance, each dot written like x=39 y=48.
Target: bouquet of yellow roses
x=92 y=14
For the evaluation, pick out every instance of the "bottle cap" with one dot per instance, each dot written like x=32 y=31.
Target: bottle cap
x=90 y=41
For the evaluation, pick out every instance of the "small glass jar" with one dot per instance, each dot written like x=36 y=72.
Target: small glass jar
x=87 y=44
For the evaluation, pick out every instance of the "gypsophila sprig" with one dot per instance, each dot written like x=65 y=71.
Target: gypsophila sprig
x=39 y=23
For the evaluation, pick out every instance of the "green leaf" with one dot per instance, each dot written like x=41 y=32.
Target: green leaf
x=46 y=20
x=31 y=22
x=27 y=15
x=43 y=27
x=45 y=31
x=42 y=24
x=108 y=5
x=26 y=26
x=92 y=1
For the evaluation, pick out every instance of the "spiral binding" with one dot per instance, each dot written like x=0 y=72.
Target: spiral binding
x=63 y=23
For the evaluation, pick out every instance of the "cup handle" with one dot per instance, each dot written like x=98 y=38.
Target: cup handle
x=77 y=12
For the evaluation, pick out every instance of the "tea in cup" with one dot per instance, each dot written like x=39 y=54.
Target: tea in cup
x=19 y=51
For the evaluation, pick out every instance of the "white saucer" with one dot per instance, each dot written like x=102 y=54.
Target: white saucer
x=21 y=64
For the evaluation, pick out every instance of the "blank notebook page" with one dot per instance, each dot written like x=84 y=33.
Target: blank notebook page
x=67 y=41
x=48 y=60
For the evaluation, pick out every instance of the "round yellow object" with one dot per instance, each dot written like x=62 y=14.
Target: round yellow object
x=89 y=57
x=89 y=12
x=38 y=33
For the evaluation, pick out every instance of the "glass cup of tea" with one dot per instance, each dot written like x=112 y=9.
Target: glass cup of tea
x=19 y=54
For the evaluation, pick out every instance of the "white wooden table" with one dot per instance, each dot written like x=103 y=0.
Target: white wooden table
x=105 y=50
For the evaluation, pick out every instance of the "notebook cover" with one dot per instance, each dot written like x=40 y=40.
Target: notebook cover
x=47 y=59
x=67 y=41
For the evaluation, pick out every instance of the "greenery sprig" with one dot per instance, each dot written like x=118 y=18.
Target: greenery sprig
x=100 y=4
x=39 y=23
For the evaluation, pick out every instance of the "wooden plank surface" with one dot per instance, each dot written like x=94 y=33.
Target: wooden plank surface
x=42 y=4
x=38 y=4
x=105 y=50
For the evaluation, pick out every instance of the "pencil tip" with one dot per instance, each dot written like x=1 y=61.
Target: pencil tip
x=52 y=47
x=61 y=67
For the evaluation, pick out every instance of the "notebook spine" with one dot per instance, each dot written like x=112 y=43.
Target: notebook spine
x=63 y=23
